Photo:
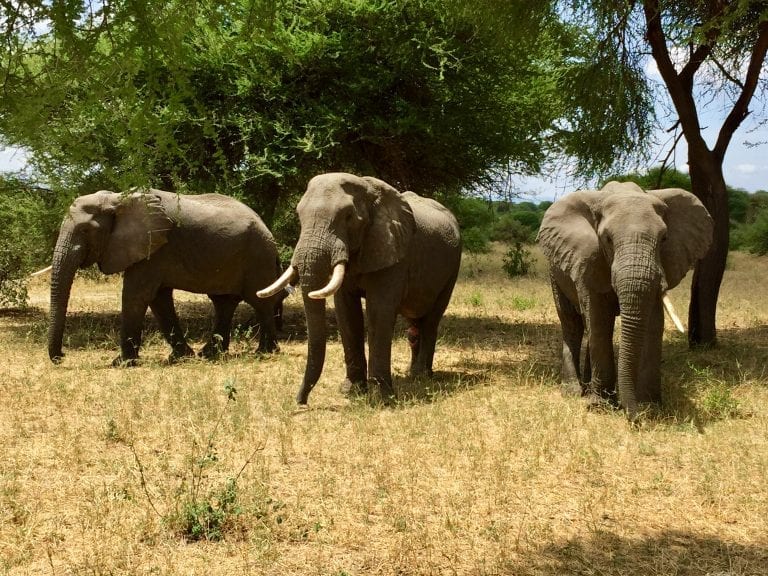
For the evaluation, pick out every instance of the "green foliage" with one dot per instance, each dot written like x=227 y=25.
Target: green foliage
x=206 y=518
x=29 y=219
x=475 y=217
x=654 y=179
x=253 y=97
x=517 y=261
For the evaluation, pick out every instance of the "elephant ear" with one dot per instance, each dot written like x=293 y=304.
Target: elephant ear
x=390 y=228
x=689 y=232
x=568 y=237
x=140 y=227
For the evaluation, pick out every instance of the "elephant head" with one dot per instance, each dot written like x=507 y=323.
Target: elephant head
x=350 y=225
x=631 y=244
x=104 y=228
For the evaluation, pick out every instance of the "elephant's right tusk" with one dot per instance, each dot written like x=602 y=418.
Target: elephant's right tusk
x=278 y=284
x=332 y=286
x=672 y=314
x=43 y=271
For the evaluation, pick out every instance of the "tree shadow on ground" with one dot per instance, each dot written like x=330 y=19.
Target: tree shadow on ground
x=670 y=552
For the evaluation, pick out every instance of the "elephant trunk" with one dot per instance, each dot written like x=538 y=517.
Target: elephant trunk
x=317 y=252
x=315 y=313
x=68 y=256
x=638 y=287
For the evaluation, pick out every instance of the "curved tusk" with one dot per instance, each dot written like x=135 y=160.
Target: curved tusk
x=672 y=314
x=332 y=286
x=43 y=271
x=278 y=284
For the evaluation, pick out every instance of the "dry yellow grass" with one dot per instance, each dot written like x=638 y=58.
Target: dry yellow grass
x=484 y=470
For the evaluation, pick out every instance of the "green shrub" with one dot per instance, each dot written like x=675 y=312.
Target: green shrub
x=29 y=219
x=518 y=261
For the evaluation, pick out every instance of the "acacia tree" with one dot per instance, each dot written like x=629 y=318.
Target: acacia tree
x=252 y=97
x=703 y=49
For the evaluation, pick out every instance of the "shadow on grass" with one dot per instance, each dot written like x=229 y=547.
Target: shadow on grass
x=697 y=384
x=671 y=552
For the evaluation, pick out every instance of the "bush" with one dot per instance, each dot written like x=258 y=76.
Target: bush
x=29 y=218
x=518 y=261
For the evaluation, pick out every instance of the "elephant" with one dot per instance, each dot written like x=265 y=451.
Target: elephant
x=399 y=251
x=615 y=252
x=208 y=244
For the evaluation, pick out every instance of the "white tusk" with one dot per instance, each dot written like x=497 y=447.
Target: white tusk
x=672 y=314
x=278 y=284
x=332 y=286
x=43 y=271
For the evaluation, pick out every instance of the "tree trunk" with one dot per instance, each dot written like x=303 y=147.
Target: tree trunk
x=708 y=185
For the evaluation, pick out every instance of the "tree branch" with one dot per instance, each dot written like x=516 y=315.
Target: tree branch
x=740 y=108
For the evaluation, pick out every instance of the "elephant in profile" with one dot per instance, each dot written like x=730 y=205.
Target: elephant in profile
x=208 y=244
x=400 y=252
x=612 y=252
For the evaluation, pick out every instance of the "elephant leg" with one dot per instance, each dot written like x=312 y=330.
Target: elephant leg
x=265 y=314
x=649 y=378
x=349 y=315
x=600 y=334
x=165 y=313
x=572 y=326
x=224 y=306
x=137 y=294
x=427 y=336
x=381 y=326
x=413 y=334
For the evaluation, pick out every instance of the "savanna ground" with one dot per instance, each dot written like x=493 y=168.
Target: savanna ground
x=209 y=468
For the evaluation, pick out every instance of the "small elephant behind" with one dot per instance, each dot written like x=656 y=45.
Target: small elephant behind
x=207 y=244
x=612 y=252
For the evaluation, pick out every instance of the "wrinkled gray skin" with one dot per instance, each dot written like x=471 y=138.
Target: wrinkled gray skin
x=614 y=252
x=207 y=244
x=402 y=254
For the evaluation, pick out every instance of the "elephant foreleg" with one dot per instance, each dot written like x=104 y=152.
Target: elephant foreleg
x=572 y=326
x=602 y=316
x=134 y=306
x=349 y=314
x=164 y=312
x=224 y=307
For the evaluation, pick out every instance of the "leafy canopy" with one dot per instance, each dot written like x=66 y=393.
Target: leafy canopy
x=253 y=97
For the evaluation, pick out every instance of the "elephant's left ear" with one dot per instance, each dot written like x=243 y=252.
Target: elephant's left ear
x=389 y=231
x=689 y=232
x=140 y=227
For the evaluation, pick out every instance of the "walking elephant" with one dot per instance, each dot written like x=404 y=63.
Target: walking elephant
x=614 y=252
x=400 y=252
x=207 y=244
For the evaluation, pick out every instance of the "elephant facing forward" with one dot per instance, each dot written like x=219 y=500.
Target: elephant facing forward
x=400 y=252
x=207 y=244
x=614 y=252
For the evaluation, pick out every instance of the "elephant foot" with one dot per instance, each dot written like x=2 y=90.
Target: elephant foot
x=178 y=355
x=211 y=351
x=597 y=403
x=268 y=346
x=386 y=393
x=353 y=389
x=572 y=388
x=121 y=362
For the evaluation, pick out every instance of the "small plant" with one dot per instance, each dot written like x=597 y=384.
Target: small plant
x=476 y=300
x=517 y=261
x=203 y=513
x=719 y=403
